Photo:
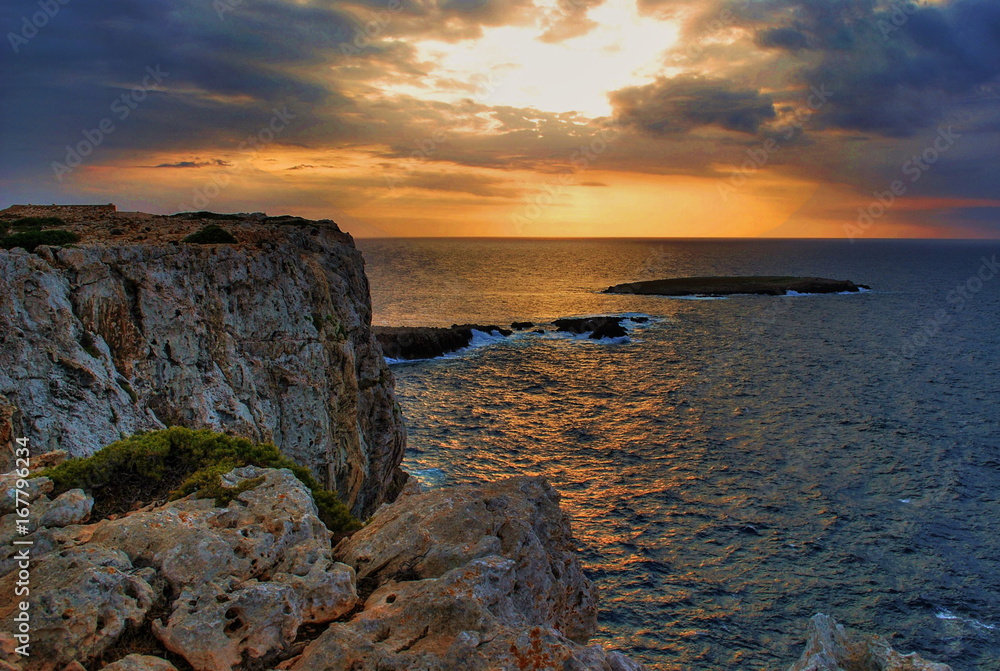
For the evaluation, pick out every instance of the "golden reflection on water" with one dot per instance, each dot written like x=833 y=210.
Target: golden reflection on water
x=727 y=484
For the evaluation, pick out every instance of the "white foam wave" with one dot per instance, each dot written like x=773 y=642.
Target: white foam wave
x=976 y=624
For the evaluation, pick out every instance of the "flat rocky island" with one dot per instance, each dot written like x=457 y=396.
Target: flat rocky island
x=769 y=285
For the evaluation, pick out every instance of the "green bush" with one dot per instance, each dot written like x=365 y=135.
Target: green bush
x=211 y=235
x=34 y=223
x=175 y=462
x=32 y=239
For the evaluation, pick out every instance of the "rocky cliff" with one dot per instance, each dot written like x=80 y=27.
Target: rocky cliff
x=132 y=329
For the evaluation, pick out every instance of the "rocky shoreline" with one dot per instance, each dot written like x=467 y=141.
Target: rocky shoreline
x=407 y=343
x=135 y=326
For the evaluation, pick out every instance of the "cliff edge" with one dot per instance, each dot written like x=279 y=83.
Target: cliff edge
x=133 y=329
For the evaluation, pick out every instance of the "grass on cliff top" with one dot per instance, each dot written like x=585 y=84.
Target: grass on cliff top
x=211 y=235
x=31 y=239
x=175 y=462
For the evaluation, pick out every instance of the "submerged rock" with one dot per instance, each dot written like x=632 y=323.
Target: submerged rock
x=772 y=285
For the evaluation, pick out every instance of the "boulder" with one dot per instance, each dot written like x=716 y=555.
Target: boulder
x=598 y=327
x=82 y=600
x=136 y=662
x=464 y=619
x=426 y=535
x=831 y=648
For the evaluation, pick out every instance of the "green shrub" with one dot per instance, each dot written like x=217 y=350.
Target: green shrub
x=211 y=235
x=176 y=462
x=32 y=239
x=29 y=223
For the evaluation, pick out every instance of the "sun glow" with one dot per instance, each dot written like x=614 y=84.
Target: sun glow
x=511 y=66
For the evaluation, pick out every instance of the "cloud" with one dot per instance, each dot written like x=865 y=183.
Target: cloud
x=477 y=185
x=193 y=164
x=679 y=104
x=895 y=68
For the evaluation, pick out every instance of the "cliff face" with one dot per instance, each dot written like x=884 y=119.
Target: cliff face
x=268 y=338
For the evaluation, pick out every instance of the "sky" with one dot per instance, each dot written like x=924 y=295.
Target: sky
x=536 y=118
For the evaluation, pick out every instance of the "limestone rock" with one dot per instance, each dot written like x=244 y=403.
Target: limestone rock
x=474 y=578
x=247 y=575
x=831 y=648
x=465 y=620
x=216 y=624
x=269 y=338
x=82 y=599
x=135 y=662
x=34 y=489
x=428 y=534
x=70 y=507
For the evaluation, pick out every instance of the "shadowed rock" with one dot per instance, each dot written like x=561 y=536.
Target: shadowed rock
x=598 y=327
x=426 y=342
x=770 y=285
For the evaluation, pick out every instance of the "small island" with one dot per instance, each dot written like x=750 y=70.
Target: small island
x=769 y=285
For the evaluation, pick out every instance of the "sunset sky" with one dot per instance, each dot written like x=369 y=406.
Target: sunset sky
x=625 y=118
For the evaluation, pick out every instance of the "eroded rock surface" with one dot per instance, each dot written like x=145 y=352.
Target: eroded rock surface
x=831 y=648
x=219 y=586
x=426 y=535
x=269 y=338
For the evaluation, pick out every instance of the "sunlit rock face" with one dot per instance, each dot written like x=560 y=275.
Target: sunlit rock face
x=269 y=338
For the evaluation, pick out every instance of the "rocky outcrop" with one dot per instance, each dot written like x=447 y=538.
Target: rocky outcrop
x=468 y=578
x=268 y=338
x=597 y=327
x=771 y=285
x=831 y=648
x=425 y=342
x=218 y=586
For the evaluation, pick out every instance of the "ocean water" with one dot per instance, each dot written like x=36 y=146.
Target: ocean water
x=739 y=464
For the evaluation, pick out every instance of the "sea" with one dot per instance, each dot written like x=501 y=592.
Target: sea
x=734 y=465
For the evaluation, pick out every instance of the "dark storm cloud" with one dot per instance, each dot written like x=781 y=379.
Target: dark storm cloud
x=678 y=104
x=222 y=78
x=894 y=67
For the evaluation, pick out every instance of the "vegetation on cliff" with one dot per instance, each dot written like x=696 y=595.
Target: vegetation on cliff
x=211 y=235
x=31 y=238
x=175 y=462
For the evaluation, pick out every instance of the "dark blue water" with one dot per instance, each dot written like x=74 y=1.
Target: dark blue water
x=739 y=464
